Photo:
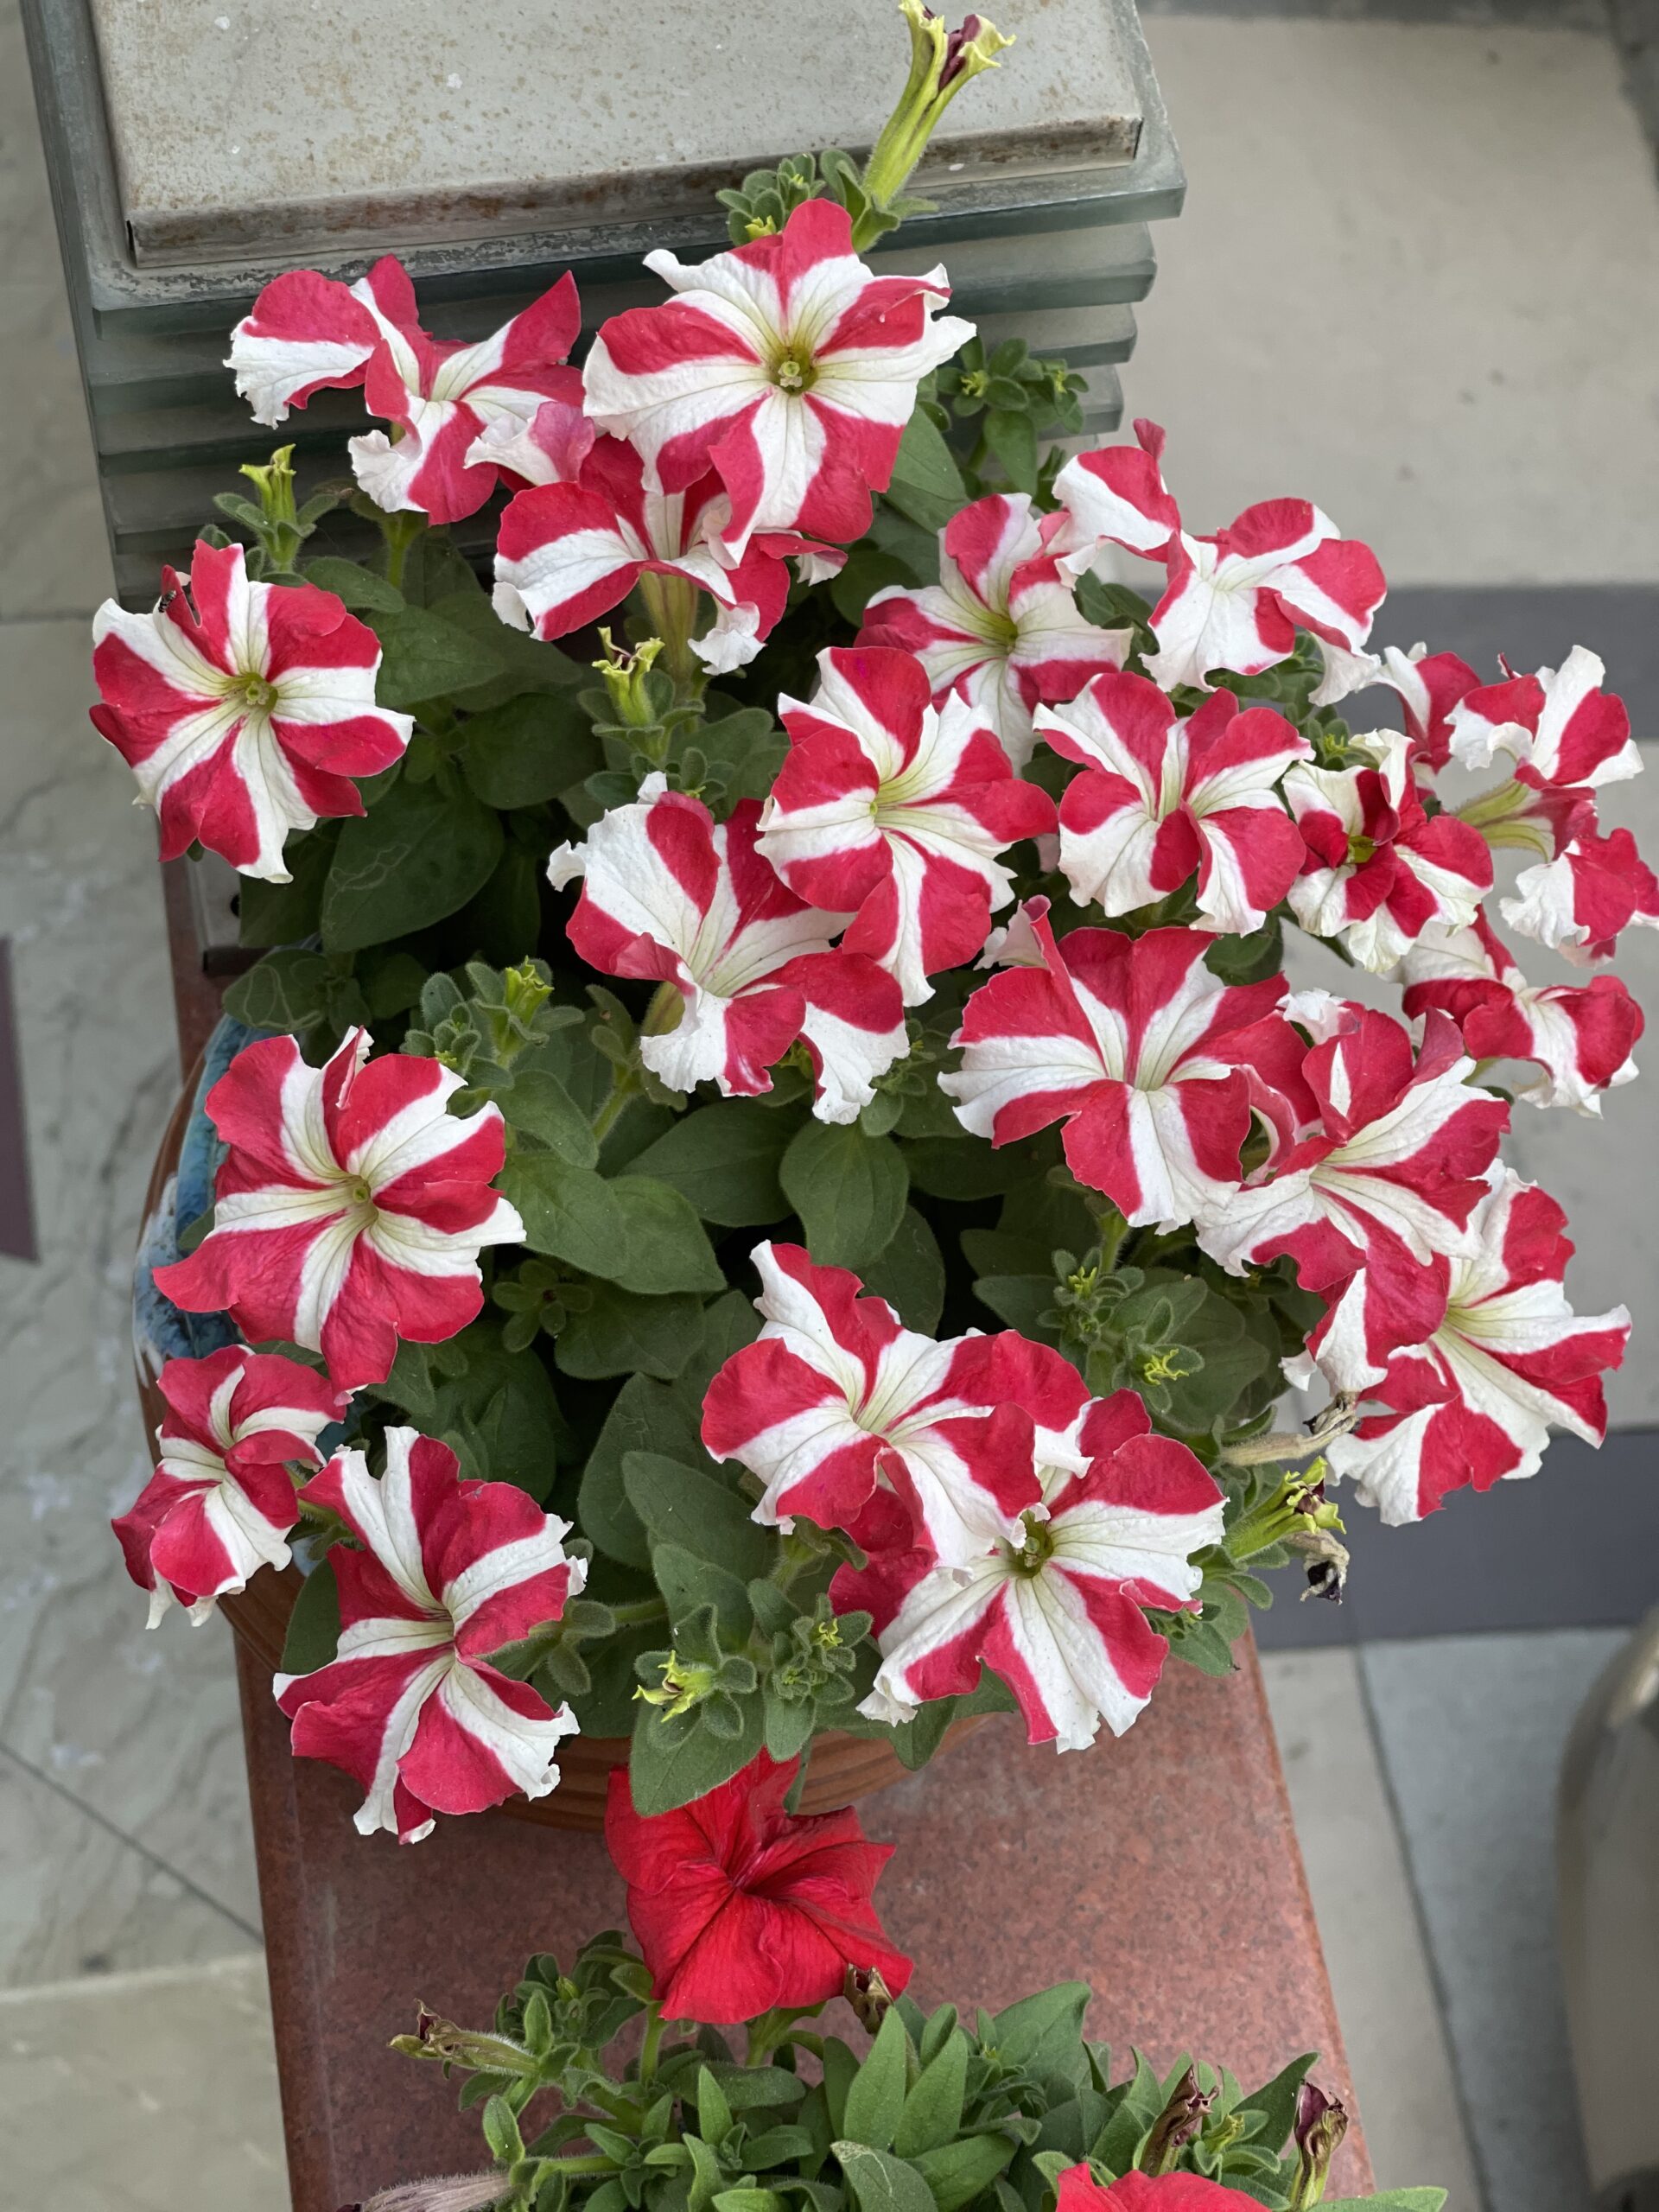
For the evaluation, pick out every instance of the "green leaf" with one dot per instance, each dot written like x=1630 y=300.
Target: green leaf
x=501 y=2131
x=278 y=913
x=750 y=2200
x=1021 y=1301
x=1276 y=2100
x=538 y=1103
x=876 y=2099
x=1390 y=2200
x=668 y=1768
x=848 y=1189
x=725 y=1159
x=909 y=1273
x=956 y=1168
x=525 y=663
x=679 y=1505
x=927 y=482
x=288 y=990
x=528 y=749
x=713 y=2113
x=356 y=588
x=416 y=856
x=570 y=1213
x=423 y=657
x=880 y=2182
x=495 y=1408
x=314 y=1626
x=667 y=1248
x=1012 y=436
x=644 y=1416
x=621 y=1332
x=1040 y=2031
x=1140 y=2103
x=688 y=1581
x=932 y=2110
x=957 y=2172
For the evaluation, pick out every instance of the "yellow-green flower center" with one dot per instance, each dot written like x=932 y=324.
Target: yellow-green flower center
x=794 y=370
x=256 y=691
x=1360 y=850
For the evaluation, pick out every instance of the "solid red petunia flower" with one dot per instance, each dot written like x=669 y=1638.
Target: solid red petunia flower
x=1137 y=2192
x=738 y=1905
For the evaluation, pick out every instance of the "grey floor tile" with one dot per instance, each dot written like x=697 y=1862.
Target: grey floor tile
x=1471 y=1730
x=140 y=1726
x=147 y=2092
x=1380 y=1975
x=1393 y=289
x=78 y=1898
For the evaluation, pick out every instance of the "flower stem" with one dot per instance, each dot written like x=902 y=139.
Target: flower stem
x=654 y=2025
x=639 y=1612
x=400 y=532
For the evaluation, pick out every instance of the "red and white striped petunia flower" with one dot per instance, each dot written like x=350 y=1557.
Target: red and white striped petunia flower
x=1233 y=601
x=1560 y=725
x=243 y=709
x=1510 y=1360
x=307 y=331
x=351 y=1207
x=1578 y=902
x=1159 y=797
x=1001 y=625
x=786 y=365
x=1149 y=1060
x=669 y=893
x=1429 y=686
x=836 y=1394
x=1386 y=1186
x=894 y=811
x=1580 y=1035
x=449 y=1573
x=1056 y=1611
x=568 y=553
x=221 y=1502
x=1378 y=868
x=550 y=449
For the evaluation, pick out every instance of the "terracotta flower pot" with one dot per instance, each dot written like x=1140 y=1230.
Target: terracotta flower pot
x=839 y=1767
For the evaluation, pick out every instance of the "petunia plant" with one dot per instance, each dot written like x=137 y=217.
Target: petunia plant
x=700 y=2072
x=771 y=1173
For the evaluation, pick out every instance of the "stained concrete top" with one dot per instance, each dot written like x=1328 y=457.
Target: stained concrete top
x=240 y=124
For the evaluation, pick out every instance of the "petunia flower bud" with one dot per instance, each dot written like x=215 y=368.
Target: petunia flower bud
x=941 y=62
x=869 y=1995
x=1319 y=2126
x=1181 y=2122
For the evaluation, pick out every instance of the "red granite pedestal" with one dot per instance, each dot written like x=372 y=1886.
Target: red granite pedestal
x=1162 y=1869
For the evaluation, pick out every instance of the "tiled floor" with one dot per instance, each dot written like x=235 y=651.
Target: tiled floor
x=1418 y=277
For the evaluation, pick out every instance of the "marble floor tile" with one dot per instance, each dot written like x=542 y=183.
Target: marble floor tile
x=1471 y=1729
x=1369 y=1927
x=142 y=1727
x=53 y=557
x=145 y=2092
x=1416 y=279
x=77 y=1898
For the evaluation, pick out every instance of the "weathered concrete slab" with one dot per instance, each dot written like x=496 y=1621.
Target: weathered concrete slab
x=244 y=124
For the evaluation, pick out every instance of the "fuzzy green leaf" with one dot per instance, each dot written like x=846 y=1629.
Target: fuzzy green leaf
x=926 y=483
x=416 y=856
x=957 y=2172
x=848 y=1189
x=725 y=1159
x=538 y=1103
x=688 y=1581
x=528 y=749
x=880 y=2182
x=423 y=657
x=621 y=1332
x=932 y=2110
x=875 y=2101
x=668 y=1767
x=679 y=1505
x=358 y=588
x=909 y=1273
x=314 y=1626
x=668 y=1248
x=570 y=1213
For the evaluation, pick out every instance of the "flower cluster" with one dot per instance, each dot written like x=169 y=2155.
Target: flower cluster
x=928 y=895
